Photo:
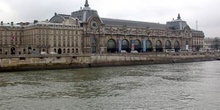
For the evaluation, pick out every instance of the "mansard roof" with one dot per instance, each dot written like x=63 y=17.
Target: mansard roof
x=59 y=18
x=197 y=33
x=129 y=23
x=64 y=15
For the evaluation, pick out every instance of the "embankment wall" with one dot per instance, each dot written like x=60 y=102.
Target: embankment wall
x=42 y=62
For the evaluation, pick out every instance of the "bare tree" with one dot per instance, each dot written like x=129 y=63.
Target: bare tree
x=216 y=43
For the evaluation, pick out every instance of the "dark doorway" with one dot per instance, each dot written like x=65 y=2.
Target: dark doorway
x=59 y=51
x=12 y=51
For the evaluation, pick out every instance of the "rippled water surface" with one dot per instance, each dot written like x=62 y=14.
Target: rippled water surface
x=186 y=86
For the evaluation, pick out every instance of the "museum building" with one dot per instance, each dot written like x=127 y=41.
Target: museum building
x=83 y=31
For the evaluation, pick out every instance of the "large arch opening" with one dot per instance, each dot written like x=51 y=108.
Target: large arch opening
x=137 y=45
x=111 y=46
x=177 y=46
x=59 y=51
x=168 y=45
x=159 y=47
x=125 y=45
x=149 y=47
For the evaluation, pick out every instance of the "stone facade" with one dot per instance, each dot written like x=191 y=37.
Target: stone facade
x=39 y=37
x=83 y=31
x=11 y=37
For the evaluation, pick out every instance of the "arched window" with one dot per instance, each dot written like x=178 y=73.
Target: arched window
x=168 y=45
x=159 y=47
x=111 y=46
x=149 y=47
x=94 y=42
x=125 y=44
x=176 y=46
x=158 y=44
x=148 y=44
x=137 y=44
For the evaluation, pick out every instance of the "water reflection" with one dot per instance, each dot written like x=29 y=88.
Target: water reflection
x=167 y=86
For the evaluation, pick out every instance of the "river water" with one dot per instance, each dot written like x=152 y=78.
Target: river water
x=179 y=86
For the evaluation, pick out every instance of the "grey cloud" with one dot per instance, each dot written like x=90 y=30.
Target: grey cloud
x=205 y=11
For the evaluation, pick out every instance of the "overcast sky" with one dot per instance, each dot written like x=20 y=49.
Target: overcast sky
x=158 y=11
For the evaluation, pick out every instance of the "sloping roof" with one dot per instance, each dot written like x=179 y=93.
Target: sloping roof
x=59 y=18
x=197 y=32
x=64 y=15
x=129 y=23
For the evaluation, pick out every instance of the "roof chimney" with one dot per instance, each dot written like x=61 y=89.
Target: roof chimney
x=1 y=22
x=12 y=23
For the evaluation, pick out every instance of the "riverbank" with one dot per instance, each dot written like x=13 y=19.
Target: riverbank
x=48 y=62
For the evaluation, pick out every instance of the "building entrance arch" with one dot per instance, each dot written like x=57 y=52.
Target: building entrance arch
x=159 y=47
x=125 y=45
x=149 y=47
x=168 y=45
x=137 y=45
x=111 y=47
x=177 y=46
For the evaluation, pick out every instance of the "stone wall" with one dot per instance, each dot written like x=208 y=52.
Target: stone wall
x=36 y=62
